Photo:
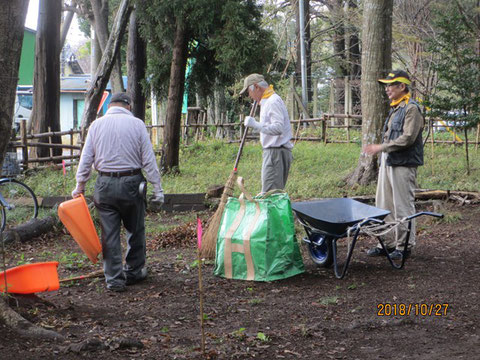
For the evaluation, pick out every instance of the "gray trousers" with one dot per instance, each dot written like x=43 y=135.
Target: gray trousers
x=118 y=201
x=395 y=192
x=275 y=168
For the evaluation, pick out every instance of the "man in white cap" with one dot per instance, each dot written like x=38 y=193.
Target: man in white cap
x=275 y=132
x=401 y=153
x=119 y=147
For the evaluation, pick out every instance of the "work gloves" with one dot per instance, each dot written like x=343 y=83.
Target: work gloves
x=156 y=201
x=79 y=190
x=251 y=122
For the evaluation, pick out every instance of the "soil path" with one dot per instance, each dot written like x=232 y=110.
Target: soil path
x=310 y=316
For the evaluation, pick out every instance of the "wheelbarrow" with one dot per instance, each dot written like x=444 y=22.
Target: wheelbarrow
x=328 y=220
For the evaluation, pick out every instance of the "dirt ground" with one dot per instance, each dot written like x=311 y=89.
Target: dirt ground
x=313 y=315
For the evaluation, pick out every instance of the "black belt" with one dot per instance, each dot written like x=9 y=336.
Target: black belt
x=121 y=173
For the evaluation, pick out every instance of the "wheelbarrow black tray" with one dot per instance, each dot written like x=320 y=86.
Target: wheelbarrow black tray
x=335 y=216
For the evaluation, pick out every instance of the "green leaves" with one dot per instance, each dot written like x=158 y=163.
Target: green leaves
x=225 y=39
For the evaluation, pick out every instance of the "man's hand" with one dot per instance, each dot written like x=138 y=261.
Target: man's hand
x=251 y=122
x=156 y=201
x=372 y=149
x=79 y=190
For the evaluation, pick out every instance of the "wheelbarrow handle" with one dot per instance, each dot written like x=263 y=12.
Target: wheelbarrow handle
x=425 y=213
x=370 y=220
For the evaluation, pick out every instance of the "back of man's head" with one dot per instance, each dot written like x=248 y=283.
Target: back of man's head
x=120 y=99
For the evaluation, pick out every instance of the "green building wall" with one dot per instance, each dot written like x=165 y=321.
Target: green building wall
x=27 y=59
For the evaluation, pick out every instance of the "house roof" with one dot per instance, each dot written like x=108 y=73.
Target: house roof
x=81 y=83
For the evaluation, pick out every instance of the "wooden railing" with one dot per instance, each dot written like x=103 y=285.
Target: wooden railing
x=231 y=132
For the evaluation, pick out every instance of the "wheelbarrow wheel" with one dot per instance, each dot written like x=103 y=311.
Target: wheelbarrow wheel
x=320 y=250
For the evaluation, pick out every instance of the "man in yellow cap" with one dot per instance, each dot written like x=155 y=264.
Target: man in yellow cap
x=402 y=153
x=275 y=132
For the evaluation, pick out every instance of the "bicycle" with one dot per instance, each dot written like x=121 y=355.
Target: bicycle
x=18 y=203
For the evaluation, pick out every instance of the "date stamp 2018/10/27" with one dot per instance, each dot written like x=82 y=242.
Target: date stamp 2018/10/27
x=415 y=309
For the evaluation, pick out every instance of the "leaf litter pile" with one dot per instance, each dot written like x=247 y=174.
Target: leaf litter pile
x=182 y=236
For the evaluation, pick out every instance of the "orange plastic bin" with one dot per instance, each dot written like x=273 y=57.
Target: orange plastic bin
x=75 y=215
x=31 y=278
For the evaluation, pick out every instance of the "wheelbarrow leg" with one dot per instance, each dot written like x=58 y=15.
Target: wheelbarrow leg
x=349 y=256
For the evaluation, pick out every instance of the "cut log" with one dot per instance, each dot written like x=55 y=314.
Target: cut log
x=30 y=229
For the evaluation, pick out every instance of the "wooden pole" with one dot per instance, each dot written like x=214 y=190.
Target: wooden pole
x=478 y=136
x=291 y=108
x=432 y=142
x=200 y=289
x=50 y=142
x=71 y=142
x=23 y=135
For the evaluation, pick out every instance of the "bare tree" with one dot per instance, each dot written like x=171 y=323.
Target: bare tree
x=171 y=141
x=136 y=65
x=12 y=19
x=100 y=80
x=100 y=21
x=46 y=80
x=376 y=62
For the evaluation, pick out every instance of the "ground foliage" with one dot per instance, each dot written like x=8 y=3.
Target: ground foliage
x=313 y=315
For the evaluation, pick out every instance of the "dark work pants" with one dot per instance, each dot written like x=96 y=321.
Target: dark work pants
x=118 y=201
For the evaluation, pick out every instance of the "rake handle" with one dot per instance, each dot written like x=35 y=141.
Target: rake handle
x=239 y=154
x=87 y=276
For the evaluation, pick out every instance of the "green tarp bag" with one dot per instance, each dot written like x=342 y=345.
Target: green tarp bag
x=256 y=239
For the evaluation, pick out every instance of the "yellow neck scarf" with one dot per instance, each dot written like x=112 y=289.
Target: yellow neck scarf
x=405 y=97
x=268 y=92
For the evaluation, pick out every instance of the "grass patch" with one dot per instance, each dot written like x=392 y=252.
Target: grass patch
x=318 y=170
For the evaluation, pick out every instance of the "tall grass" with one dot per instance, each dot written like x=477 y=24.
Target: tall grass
x=318 y=170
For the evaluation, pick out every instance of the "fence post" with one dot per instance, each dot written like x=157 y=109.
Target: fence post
x=478 y=135
x=292 y=99
x=324 y=128
x=23 y=135
x=71 y=143
x=50 y=141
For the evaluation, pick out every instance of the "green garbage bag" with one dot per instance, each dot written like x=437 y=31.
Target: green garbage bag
x=256 y=239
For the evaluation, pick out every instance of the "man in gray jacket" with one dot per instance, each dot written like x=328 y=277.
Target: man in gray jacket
x=119 y=147
x=402 y=153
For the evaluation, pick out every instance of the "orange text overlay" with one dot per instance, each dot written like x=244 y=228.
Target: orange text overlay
x=417 y=309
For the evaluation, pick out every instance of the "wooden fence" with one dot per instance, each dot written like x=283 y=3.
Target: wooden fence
x=231 y=132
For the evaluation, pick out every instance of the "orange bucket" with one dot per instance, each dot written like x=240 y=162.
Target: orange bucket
x=31 y=278
x=75 y=216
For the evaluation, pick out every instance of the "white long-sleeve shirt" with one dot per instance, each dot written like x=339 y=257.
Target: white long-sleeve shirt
x=275 y=128
x=117 y=142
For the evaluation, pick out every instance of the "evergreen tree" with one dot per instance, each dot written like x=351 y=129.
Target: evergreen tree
x=223 y=39
x=457 y=65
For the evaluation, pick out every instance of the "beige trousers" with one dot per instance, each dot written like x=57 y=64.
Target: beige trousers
x=395 y=192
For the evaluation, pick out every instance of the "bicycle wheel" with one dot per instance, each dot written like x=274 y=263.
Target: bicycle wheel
x=19 y=203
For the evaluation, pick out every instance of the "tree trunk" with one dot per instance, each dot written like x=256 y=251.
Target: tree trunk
x=66 y=25
x=100 y=80
x=376 y=62
x=12 y=20
x=100 y=13
x=24 y=327
x=171 y=140
x=136 y=64
x=46 y=79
